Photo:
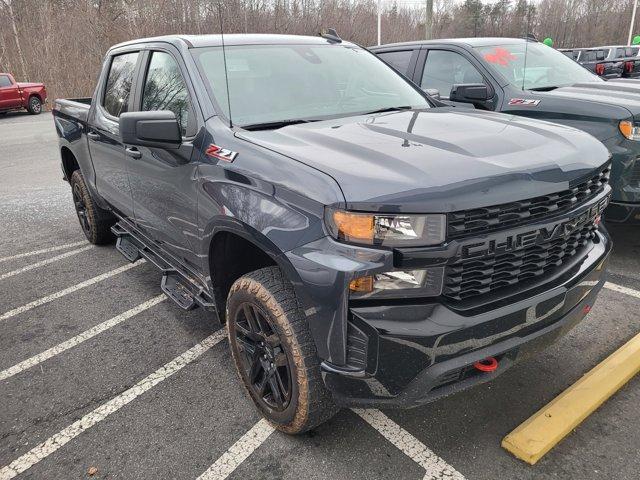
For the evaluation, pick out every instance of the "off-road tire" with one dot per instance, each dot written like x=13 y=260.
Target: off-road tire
x=34 y=106
x=311 y=403
x=99 y=221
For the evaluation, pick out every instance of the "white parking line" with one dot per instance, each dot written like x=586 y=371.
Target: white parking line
x=619 y=288
x=44 y=262
x=435 y=467
x=238 y=452
x=67 y=291
x=52 y=444
x=78 y=339
x=44 y=250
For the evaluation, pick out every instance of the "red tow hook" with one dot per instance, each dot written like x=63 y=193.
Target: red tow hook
x=489 y=364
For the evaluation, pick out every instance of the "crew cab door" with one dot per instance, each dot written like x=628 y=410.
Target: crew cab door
x=114 y=96
x=9 y=93
x=163 y=181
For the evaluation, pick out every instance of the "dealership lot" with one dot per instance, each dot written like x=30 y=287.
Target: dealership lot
x=100 y=371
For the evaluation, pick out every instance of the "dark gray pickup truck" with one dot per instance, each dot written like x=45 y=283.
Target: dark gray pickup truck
x=363 y=247
x=527 y=78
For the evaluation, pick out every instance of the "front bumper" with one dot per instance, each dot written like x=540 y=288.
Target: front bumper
x=417 y=353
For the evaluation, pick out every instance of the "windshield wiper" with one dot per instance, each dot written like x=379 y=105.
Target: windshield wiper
x=389 y=109
x=275 y=125
x=543 y=89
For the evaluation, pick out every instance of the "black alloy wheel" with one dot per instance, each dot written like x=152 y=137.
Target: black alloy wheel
x=265 y=363
x=81 y=209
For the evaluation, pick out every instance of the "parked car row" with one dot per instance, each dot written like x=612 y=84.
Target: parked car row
x=367 y=244
x=17 y=96
x=529 y=79
x=614 y=61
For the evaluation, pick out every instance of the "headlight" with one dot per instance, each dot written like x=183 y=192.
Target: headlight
x=629 y=130
x=399 y=283
x=386 y=230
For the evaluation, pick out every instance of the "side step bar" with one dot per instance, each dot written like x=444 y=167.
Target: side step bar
x=176 y=284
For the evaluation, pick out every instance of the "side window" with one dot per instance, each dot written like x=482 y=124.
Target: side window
x=399 y=60
x=119 y=80
x=444 y=69
x=164 y=89
x=4 y=81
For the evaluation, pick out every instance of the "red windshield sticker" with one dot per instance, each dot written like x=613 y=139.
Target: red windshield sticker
x=500 y=56
x=524 y=102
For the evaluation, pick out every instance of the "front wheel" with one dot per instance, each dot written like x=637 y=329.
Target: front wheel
x=274 y=352
x=35 y=106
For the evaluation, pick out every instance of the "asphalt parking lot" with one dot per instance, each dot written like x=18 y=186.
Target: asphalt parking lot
x=98 y=371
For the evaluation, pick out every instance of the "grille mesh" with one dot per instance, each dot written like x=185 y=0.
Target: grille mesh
x=471 y=277
x=489 y=219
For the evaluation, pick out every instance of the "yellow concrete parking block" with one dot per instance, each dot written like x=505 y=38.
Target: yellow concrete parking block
x=542 y=431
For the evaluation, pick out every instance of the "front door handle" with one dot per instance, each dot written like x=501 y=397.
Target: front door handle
x=133 y=152
x=93 y=136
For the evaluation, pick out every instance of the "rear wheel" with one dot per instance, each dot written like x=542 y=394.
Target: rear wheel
x=95 y=222
x=35 y=106
x=274 y=352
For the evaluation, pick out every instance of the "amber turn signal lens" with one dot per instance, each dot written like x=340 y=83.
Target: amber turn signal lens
x=362 y=284
x=354 y=226
x=626 y=128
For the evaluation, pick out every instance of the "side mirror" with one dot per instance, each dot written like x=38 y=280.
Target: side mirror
x=151 y=129
x=432 y=92
x=469 y=93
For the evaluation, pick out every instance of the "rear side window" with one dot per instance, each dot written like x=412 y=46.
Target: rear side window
x=399 y=60
x=4 y=81
x=119 y=80
x=164 y=89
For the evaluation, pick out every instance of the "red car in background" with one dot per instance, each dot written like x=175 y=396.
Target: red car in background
x=16 y=96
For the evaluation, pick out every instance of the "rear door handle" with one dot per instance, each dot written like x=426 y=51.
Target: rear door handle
x=133 y=152
x=93 y=136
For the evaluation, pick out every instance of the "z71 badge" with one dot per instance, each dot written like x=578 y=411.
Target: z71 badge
x=524 y=102
x=221 y=153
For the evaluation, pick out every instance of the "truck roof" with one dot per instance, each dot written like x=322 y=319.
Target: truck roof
x=194 y=41
x=470 y=42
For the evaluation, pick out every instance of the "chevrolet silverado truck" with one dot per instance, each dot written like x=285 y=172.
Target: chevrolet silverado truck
x=363 y=247
x=487 y=73
x=17 y=96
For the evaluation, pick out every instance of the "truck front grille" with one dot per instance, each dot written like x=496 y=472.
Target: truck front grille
x=635 y=174
x=470 y=277
x=467 y=223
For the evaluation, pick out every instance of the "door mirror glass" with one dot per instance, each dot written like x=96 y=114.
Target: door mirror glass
x=159 y=129
x=470 y=93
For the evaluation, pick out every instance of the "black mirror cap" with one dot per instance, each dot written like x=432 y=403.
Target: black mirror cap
x=469 y=92
x=158 y=129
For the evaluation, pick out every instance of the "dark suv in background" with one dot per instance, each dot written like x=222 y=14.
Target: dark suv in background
x=487 y=73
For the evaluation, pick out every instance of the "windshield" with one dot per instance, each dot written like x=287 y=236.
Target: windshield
x=285 y=83
x=546 y=67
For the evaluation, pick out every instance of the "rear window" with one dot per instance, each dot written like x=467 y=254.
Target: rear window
x=119 y=80
x=626 y=52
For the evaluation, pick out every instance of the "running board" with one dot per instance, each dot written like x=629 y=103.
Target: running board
x=178 y=285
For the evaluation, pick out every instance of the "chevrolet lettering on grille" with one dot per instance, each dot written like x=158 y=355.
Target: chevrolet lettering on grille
x=528 y=239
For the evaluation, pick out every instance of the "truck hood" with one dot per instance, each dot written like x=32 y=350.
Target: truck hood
x=438 y=160
x=622 y=93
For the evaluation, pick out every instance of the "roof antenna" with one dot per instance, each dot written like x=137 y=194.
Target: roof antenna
x=224 y=58
x=331 y=35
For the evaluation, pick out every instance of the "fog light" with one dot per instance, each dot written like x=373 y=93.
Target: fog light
x=399 y=284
